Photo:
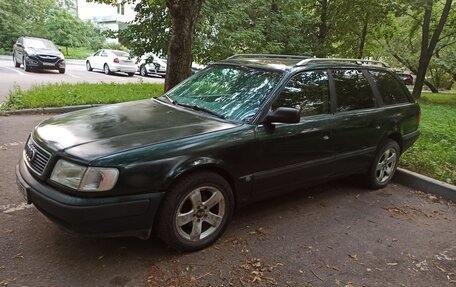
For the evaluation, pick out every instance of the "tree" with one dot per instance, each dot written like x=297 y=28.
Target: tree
x=67 y=30
x=429 y=41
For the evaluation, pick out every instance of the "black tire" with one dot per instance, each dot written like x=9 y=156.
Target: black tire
x=88 y=66
x=177 y=200
x=62 y=70
x=16 y=63
x=26 y=67
x=143 y=71
x=382 y=170
x=106 y=69
x=131 y=74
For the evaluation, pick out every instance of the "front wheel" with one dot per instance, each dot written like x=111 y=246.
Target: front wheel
x=88 y=66
x=62 y=71
x=131 y=74
x=195 y=212
x=16 y=63
x=384 y=165
x=26 y=67
x=143 y=71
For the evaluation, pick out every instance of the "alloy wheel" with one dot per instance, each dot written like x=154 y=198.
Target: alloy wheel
x=386 y=165
x=200 y=213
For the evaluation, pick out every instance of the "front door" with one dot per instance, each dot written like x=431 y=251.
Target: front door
x=291 y=155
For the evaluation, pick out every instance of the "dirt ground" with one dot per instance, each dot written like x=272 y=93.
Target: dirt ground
x=336 y=234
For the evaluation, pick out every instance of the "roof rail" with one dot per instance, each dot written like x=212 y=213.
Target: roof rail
x=360 y=62
x=272 y=56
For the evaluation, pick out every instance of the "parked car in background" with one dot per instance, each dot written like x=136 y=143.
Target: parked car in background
x=37 y=54
x=151 y=64
x=243 y=129
x=111 y=61
x=406 y=78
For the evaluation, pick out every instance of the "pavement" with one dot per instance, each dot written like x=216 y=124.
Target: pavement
x=335 y=234
x=11 y=77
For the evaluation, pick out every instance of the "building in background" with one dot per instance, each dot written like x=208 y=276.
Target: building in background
x=106 y=16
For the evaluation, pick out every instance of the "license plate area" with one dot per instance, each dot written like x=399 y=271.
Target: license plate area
x=48 y=64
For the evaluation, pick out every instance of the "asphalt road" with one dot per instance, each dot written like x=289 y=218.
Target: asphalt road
x=11 y=77
x=336 y=234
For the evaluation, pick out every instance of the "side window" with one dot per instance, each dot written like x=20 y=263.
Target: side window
x=308 y=92
x=97 y=53
x=389 y=88
x=353 y=90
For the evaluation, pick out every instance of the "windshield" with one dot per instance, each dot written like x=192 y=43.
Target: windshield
x=236 y=93
x=39 y=44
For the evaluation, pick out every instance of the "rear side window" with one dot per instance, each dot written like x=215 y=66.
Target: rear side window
x=389 y=88
x=308 y=92
x=353 y=90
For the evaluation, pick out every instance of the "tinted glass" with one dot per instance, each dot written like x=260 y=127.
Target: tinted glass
x=231 y=91
x=389 y=88
x=353 y=90
x=307 y=92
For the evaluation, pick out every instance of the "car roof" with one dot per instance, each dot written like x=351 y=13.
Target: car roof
x=36 y=38
x=288 y=62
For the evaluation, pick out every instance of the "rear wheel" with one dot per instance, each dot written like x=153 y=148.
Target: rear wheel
x=88 y=66
x=131 y=74
x=143 y=71
x=16 y=63
x=106 y=69
x=195 y=212
x=384 y=165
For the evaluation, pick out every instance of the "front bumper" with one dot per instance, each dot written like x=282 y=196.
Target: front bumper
x=38 y=63
x=131 y=215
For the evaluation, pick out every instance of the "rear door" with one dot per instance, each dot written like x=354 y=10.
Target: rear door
x=358 y=125
x=291 y=155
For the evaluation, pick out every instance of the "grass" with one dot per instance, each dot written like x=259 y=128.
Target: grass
x=58 y=95
x=434 y=154
x=77 y=53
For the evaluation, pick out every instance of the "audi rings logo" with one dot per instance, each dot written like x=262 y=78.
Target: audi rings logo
x=30 y=153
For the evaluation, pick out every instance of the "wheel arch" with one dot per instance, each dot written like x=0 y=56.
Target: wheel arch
x=397 y=137
x=201 y=165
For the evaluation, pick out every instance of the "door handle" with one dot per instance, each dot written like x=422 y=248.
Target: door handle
x=326 y=137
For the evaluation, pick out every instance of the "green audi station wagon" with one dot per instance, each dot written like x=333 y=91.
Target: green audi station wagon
x=243 y=129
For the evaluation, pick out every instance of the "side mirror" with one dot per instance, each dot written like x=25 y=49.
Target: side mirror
x=19 y=45
x=283 y=115
x=60 y=49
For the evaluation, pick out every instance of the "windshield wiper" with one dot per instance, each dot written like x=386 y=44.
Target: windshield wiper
x=169 y=99
x=201 y=109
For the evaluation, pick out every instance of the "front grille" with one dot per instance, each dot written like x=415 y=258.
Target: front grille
x=48 y=58
x=36 y=157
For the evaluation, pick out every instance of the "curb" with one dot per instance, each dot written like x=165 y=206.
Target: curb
x=57 y=110
x=425 y=184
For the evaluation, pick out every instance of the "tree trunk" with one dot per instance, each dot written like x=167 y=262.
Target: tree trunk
x=66 y=48
x=427 y=47
x=323 y=29
x=363 y=38
x=184 y=14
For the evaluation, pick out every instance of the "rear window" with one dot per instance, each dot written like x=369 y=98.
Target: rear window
x=120 y=54
x=353 y=90
x=389 y=88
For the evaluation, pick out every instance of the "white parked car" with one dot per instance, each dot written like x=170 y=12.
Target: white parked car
x=111 y=61
x=151 y=64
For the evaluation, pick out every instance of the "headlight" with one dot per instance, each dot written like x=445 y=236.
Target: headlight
x=61 y=56
x=84 y=178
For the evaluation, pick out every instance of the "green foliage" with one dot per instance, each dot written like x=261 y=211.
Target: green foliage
x=115 y=46
x=45 y=18
x=434 y=154
x=80 y=53
x=58 y=95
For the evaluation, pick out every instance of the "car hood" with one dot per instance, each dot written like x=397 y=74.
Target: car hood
x=96 y=132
